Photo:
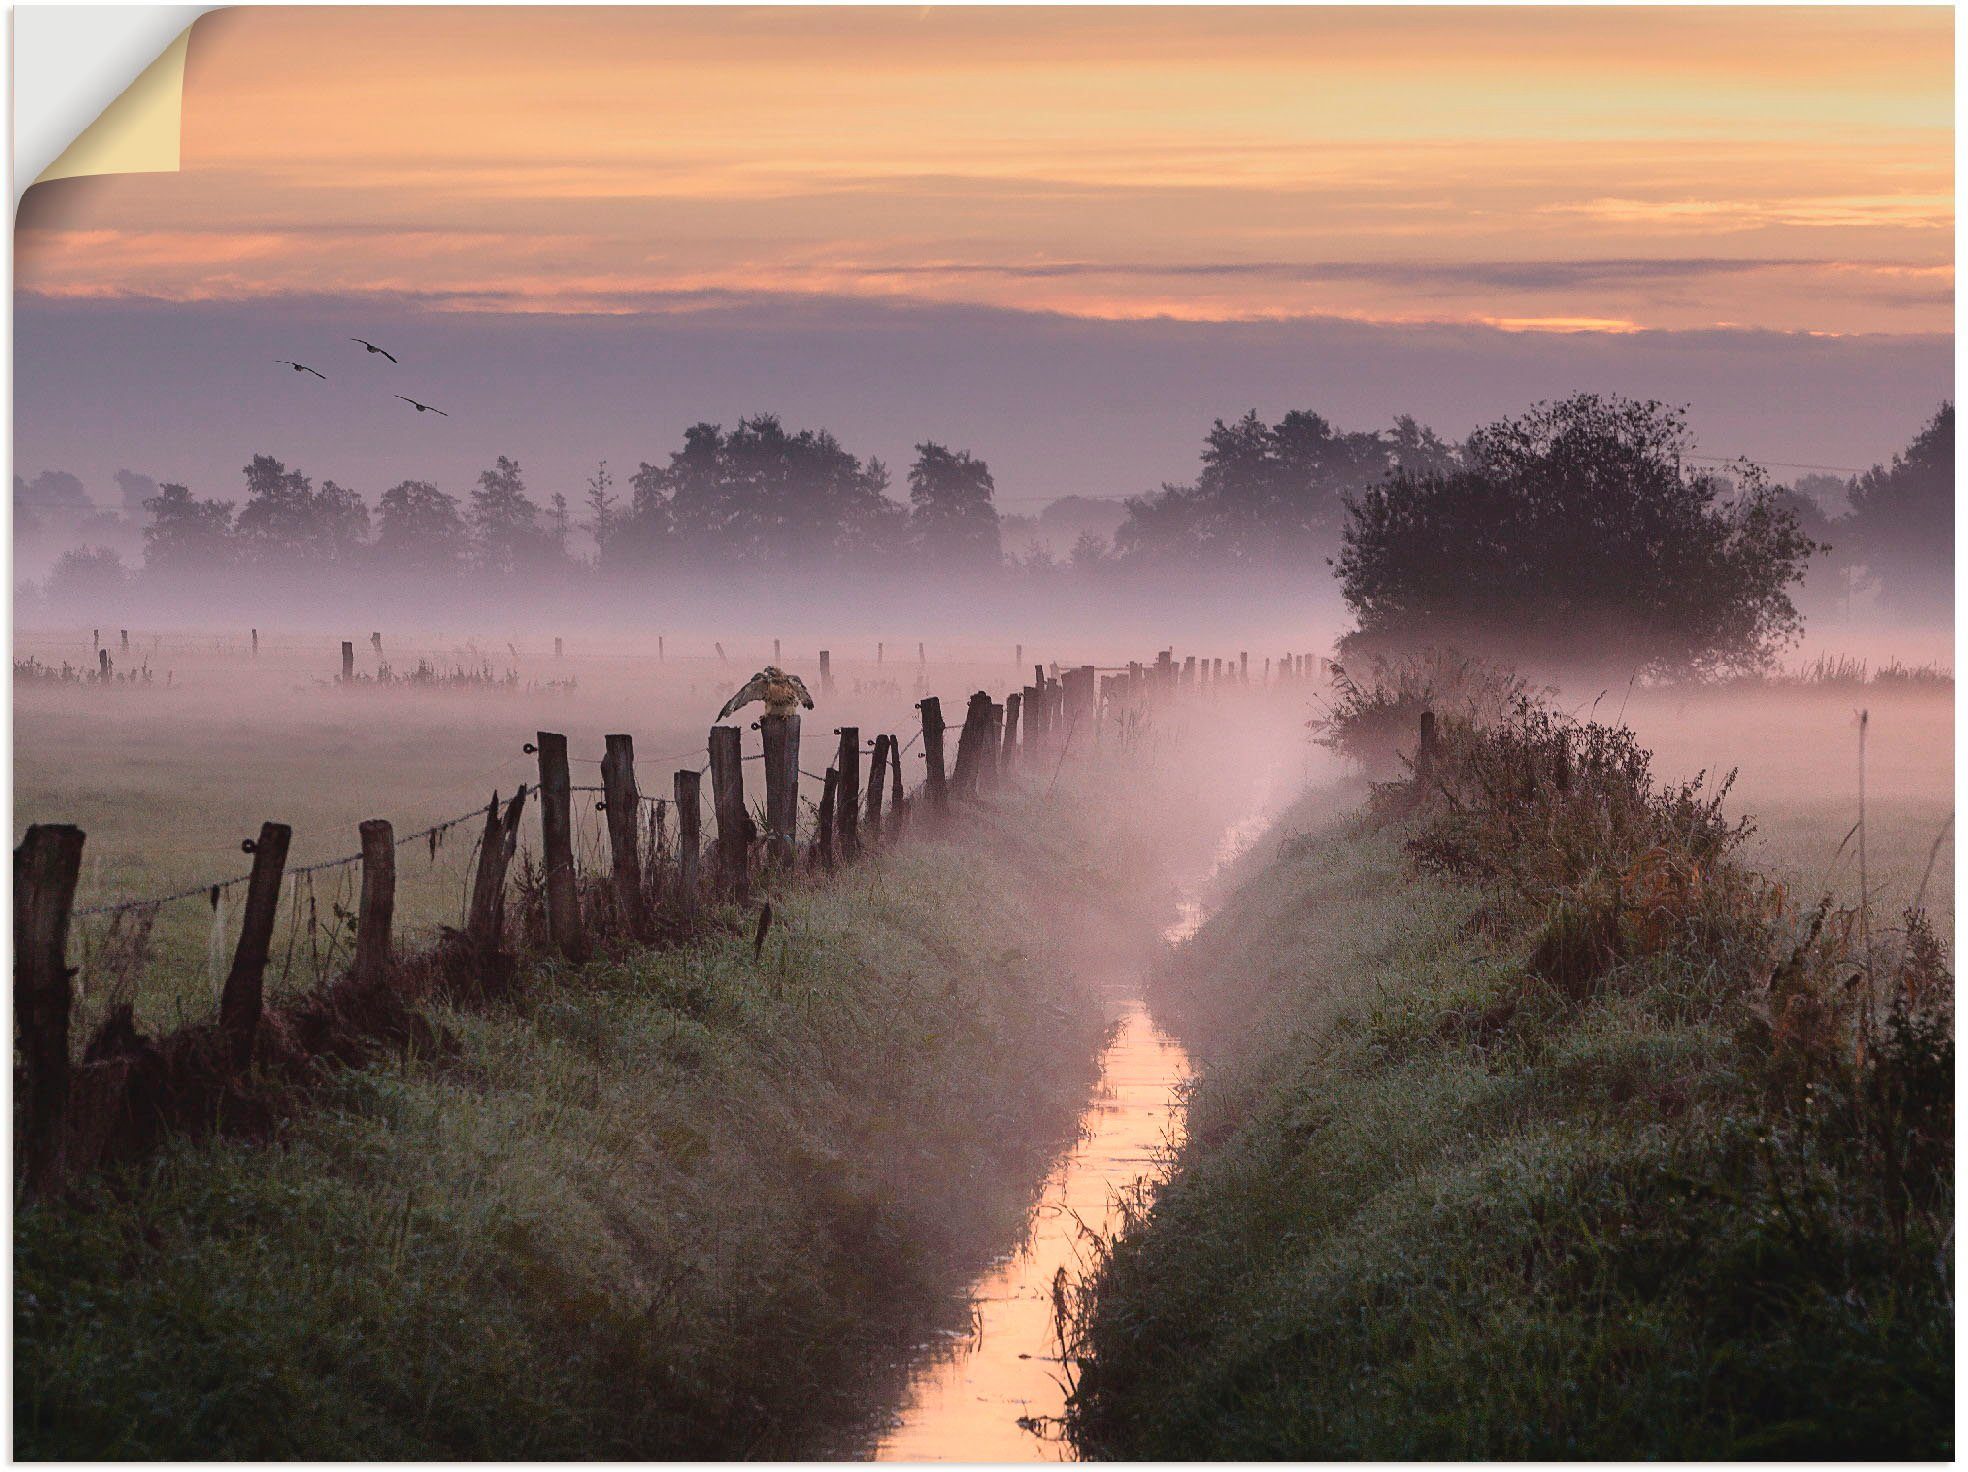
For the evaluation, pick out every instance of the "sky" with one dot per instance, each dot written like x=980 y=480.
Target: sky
x=1008 y=224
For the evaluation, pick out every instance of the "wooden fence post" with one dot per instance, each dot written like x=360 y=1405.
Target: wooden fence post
x=378 y=903
x=624 y=803
x=847 y=803
x=688 y=789
x=1013 y=704
x=993 y=744
x=898 y=806
x=971 y=745
x=376 y=642
x=557 y=646
x=826 y=672
x=46 y=867
x=877 y=775
x=775 y=651
x=126 y=639
x=932 y=729
x=824 y=836
x=242 y=1001
x=348 y=660
x=495 y=847
x=256 y=643
x=557 y=845
x=728 y=803
x=781 y=737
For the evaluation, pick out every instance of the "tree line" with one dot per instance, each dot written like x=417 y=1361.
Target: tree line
x=1581 y=520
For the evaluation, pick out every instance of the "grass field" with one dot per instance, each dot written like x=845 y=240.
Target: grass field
x=672 y=1205
x=166 y=781
x=1447 y=1193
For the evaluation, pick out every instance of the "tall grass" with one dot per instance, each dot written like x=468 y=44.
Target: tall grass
x=1533 y=1124
x=671 y=1204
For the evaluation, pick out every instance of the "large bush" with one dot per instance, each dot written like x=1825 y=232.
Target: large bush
x=1575 y=535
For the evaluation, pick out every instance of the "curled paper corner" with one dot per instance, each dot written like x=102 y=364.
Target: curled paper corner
x=140 y=131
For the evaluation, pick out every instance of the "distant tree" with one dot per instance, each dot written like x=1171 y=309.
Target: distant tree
x=87 y=580
x=1271 y=494
x=420 y=530
x=341 y=522
x=136 y=490
x=1574 y=535
x=279 y=524
x=952 y=523
x=505 y=525
x=602 y=515
x=560 y=526
x=640 y=536
x=1090 y=553
x=1902 y=521
x=762 y=497
x=184 y=536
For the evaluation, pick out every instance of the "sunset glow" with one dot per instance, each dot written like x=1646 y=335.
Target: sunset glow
x=1587 y=170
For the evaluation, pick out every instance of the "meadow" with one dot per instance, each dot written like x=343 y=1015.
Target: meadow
x=1532 y=1121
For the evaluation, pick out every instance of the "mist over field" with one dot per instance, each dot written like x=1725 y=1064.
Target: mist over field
x=993 y=734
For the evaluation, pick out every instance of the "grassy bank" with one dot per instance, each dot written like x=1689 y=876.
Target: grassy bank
x=1531 y=1124
x=678 y=1205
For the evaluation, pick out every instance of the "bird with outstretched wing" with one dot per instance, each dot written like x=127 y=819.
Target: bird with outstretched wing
x=373 y=348
x=421 y=408
x=301 y=368
x=780 y=692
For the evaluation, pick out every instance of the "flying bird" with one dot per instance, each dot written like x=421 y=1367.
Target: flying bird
x=301 y=368
x=420 y=408
x=373 y=348
x=779 y=690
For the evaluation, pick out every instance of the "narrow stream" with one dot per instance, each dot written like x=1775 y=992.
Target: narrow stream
x=995 y=1394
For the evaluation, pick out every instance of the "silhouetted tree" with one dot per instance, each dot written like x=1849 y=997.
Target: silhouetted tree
x=1573 y=534
x=87 y=581
x=602 y=516
x=185 y=536
x=952 y=523
x=505 y=525
x=420 y=530
x=1271 y=494
x=1902 y=521
x=763 y=498
x=641 y=536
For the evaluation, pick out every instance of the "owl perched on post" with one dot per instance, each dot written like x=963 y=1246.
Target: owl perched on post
x=780 y=691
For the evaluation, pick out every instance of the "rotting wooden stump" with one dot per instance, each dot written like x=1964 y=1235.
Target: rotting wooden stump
x=46 y=867
x=557 y=846
x=780 y=737
x=243 y=1000
x=621 y=803
x=934 y=783
x=728 y=805
x=377 y=906
x=688 y=789
x=847 y=799
x=877 y=775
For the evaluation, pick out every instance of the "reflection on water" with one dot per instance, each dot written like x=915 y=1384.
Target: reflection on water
x=995 y=1395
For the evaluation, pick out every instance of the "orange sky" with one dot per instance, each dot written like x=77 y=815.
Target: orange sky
x=1611 y=168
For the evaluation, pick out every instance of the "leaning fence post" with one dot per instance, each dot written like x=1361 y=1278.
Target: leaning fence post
x=877 y=774
x=824 y=838
x=348 y=660
x=378 y=903
x=242 y=1001
x=847 y=800
x=688 y=789
x=46 y=866
x=728 y=803
x=488 y=885
x=780 y=736
x=557 y=844
x=623 y=802
x=932 y=729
